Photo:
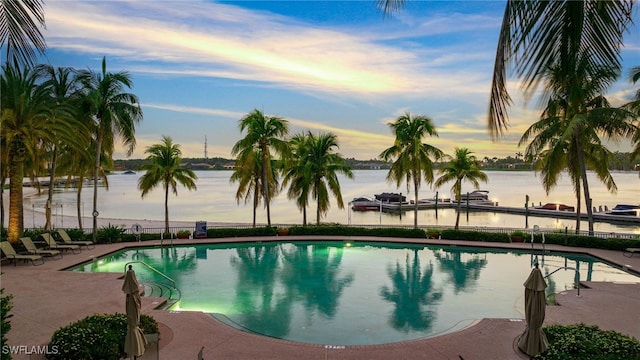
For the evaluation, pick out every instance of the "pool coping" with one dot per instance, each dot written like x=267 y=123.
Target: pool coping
x=35 y=318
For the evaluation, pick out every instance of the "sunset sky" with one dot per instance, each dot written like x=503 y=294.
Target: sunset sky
x=339 y=66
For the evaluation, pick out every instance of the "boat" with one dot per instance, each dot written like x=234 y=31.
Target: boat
x=477 y=197
x=556 y=207
x=624 y=209
x=390 y=197
x=365 y=204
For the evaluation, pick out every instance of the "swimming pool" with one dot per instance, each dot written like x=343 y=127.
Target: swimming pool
x=343 y=293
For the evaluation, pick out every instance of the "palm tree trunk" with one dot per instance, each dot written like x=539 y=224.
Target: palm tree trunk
x=265 y=185
x=304 y=215
x=255 y=205
x=416 y=185
x=585 y=186
x=52 y=178
x=578 y=205
x=2 y=203
x=166 y=208
x=79 y=201
x=96 y=169
x=458 y=195
x=16 y=173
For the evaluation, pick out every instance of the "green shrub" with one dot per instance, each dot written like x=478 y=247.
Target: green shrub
x=76 y=234
x=568 y=342
x=230 y=232
x=110 y=234
x=99 y=336
x=450 y=234
x=357 y=231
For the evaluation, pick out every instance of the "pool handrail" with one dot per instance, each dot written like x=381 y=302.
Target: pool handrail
x=567 y=268
x=173 y=282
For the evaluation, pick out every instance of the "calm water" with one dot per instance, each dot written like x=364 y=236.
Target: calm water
x=214 y=201
x=354 y=294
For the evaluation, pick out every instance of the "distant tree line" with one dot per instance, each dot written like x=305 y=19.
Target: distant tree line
x=619 y=161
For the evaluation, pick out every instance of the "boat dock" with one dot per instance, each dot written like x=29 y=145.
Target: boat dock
x=493 y=207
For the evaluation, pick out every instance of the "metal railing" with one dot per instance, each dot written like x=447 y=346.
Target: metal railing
x=173 y=289
x=577 y=284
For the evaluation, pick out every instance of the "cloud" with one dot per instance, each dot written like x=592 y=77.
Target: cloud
x=226 y=41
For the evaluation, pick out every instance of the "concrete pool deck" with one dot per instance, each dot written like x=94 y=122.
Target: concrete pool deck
x=45 y=299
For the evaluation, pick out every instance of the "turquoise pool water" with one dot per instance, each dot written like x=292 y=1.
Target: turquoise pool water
x=342 y=293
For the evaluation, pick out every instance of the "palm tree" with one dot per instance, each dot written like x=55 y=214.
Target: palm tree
x=463 y=166
x=568 y=135
x=264 y=133
x=297 y=173
x=19 y=32
x=63 y=87
x=322 y=167
x=25 y=124
x=163 y=166
x=115 y=113
x=537 y=35
x=413 y=159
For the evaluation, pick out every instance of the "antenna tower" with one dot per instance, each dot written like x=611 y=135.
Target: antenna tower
x=205 y=147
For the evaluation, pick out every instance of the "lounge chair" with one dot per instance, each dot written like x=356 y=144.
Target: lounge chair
x=33 y=249
x=628 y=252
x=53 y=245
x=11 y=253
x=67 y=240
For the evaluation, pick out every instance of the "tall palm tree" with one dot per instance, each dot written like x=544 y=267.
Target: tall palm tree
x=463 y=166
x=247 y=172
x=163 y=167
x=25 y=123
x=63 y=88
x=323 y=166
x=115 y=113
x=264 y=133
x=19 y=31
x=537 y=35
x=568 y=135
x=413 y=159
x=297 y=173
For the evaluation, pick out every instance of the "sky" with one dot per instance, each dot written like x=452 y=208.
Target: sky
x=325 y=66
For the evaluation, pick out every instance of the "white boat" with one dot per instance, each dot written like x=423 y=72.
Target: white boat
x=622 y=209
x=477 y=197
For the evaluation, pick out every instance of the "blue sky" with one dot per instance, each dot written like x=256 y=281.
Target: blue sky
x=339 y=66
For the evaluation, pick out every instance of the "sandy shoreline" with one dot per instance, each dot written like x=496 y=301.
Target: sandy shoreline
x=37 y=219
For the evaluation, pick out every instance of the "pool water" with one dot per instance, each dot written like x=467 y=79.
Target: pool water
x=343 y=293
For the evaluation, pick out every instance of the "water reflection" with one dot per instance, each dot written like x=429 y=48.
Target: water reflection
x=312 y=276
x=461 y=273
x=261 y=308
x=356 y=293
x=412 y=294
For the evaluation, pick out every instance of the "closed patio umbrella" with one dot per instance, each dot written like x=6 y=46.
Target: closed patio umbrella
x=134 y=342
x=534 y=341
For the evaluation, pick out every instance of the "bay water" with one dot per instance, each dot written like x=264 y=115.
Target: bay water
x=215 y=201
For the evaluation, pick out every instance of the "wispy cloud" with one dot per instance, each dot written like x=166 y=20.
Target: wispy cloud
x=219 y=40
